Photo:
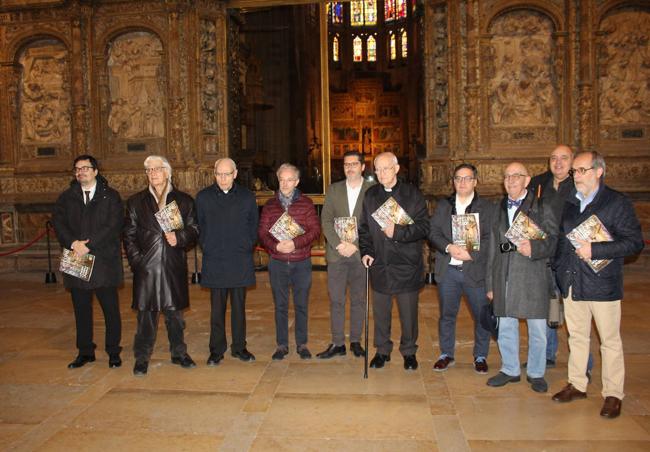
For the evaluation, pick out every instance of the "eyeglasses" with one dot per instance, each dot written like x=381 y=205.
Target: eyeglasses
x=385 y=170
x=582 y=171
x=82 y=169
x=514 y=177
x=459 y=179
x=351 y=164
x=282 y=181
x=154 y=170
x=224 y=174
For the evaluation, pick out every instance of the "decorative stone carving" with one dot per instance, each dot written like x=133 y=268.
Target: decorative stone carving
x=521 y=75
x=208 y=74
x=624 y=74
x=137 y=86
x=586 y=111
x=441 y=62
x=236 y=79
x=45 y=111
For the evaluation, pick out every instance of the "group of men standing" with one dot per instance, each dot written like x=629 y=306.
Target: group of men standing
x=518 y=278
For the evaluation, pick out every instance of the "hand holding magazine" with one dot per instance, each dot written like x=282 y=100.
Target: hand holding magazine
x=286 y=228
x=79 y=267
x=346 y=228
x=591 y=230
x=391 y=211
x=170 y=218
x=524 y=228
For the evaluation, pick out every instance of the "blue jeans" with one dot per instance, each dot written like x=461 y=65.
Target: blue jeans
x=509 y=346
x=450 y=290
x=552 y=344
x=298 y=276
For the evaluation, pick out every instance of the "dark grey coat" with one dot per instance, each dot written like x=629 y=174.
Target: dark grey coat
x=522 y=286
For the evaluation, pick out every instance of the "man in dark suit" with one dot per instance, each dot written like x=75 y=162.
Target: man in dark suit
x=88 y=220
x=344 y=199
x=461 y=269
x=228 y=217
x=595 y=295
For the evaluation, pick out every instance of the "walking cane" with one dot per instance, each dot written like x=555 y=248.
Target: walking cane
x=365 y=360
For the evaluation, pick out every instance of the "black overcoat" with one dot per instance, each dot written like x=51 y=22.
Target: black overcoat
x=159 y=269
x=100 y=221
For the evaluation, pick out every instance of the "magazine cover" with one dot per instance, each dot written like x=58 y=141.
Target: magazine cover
x=286 y=228
x=346 y=228
x=524 y=228
x=79 y=267
x=391 y=211
x=591 y=230
x=466 y=232
x=170 y=218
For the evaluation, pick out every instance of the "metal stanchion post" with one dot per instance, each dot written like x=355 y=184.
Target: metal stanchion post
x=50 y=277
x=196 y=276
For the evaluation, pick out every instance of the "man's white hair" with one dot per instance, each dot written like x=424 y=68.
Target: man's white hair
x=386 y=154
x=164 y=162
x=233 y=165
x=290 y=167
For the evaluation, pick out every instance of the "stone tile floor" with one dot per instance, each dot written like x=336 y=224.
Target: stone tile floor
x=292 y=405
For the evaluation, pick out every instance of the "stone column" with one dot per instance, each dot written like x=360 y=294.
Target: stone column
x=586 y=77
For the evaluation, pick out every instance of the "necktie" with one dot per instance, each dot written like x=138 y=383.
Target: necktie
x=512 y=203
x=87 y=193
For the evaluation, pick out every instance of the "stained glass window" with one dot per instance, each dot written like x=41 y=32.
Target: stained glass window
x=401 y=9
x=363 y=12
x=335 y=12
x=335 y=48
x=393 y=47
x=372 y=49
x=370 y=12
x=356 y=12
x=389 y=10
x=404 y=44
x=357 y=49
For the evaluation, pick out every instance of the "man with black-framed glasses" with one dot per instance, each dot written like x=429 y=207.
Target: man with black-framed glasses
x=461 y=269
x=88 y=220
x=228 y=218
x=592 y=290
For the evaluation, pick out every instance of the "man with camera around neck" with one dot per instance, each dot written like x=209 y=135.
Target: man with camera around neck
x=519 y=280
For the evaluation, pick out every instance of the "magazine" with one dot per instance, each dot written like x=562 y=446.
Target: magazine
x=391 y=211
x=79 y=267
x=286 y=228
x=591 y=230
x=170 y=218
x=466 y=232
x=346 y=228
x=524 y=228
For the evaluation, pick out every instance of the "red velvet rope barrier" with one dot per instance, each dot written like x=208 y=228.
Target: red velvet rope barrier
x=26 y=245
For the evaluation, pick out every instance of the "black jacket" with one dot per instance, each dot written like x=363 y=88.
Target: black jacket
x=398 y=266
x=100 y=221
x=553 y=198
x=227 y=233
x=616 y=212
x=159 y=270
x=440 y=236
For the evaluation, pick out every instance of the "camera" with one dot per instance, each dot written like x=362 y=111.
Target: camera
x=507 y=247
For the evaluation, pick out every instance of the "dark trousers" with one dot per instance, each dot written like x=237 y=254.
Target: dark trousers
x=450 y=290
x=407 y=305
x=296 y=275
x=145 y=335
x=82 y=301
x=342 y=274
x=218 y=302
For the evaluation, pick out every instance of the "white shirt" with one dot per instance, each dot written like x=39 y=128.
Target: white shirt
x=460 y=210
x=353 y=195
x=91 y=194
x=513 y=209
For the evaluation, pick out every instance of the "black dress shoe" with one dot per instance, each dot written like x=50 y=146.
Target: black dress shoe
x=244 y=355
x=332 y=350
x=303 y=352
x=114 y=361
x=356 y=348
x=280 y=353
x=81 y=360
x=186 y=362
x=379 y=360
x=140 y=368
x=410 y=363
x=214 y=359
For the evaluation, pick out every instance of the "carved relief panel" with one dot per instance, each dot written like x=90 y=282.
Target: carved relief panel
x=136 y=115
x=210 y=100
x=521 y=81
x=624 y=78
x=441 y=68
x=44 y=102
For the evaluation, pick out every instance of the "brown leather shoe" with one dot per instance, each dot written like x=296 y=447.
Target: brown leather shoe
x=443 y=363
x=480 y=366
x=569 y=393
x=611 y=407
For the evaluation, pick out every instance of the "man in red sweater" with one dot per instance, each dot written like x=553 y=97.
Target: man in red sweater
x=289 y=252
